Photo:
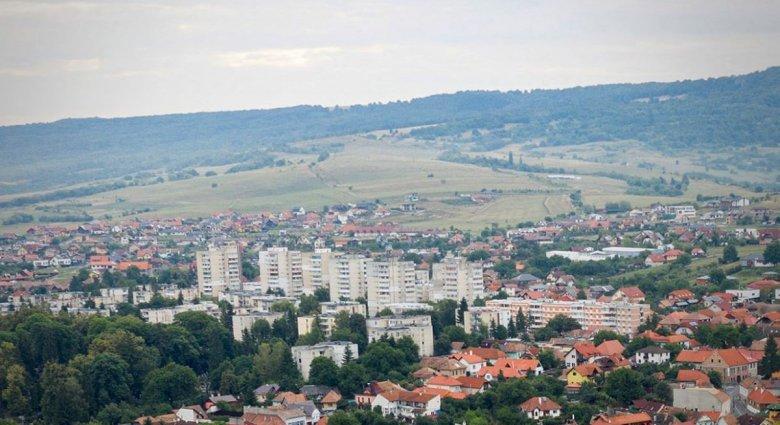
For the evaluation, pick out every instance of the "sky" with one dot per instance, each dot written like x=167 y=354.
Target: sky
x=61 y=59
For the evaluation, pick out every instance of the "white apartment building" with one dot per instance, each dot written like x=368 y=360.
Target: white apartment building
x=418 y=328
x=167 y=315
x=219 y=269
x=475 y=317
x=281 y=269
x=334 y=350
x=348 y=277
x=455 y=278
x=253 y=301
x=336 y=307
x=316 y=269
x=622 y=317
x=244 y=322
x=389 y=282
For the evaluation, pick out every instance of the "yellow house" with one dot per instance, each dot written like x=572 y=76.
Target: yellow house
x=582 y=373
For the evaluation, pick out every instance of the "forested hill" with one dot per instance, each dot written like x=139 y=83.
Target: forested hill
x=728 y=111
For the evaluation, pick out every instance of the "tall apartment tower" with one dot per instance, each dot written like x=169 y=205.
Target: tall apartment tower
x=390 y=282
x=456 y=278
x=281 y=269
x=348 y=277
x=219 y=269
x=317 y=269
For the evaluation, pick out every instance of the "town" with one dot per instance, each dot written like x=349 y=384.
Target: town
x=625 y=316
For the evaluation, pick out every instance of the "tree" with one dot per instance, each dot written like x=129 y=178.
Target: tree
x=342 y=418
x=511 y=329
x=172 y=384
x=462 y=311
x=522 y=325
x=323 y=371
x=548 y=360
x=730 y=254
x=478 y=255
x=715 y=379
x=562 y=323
x=107 y=380
x=352 y=376
x=624 y=385
x=140 y=358
x=771 y=361
x=772 y=253
x=606 y=335
x=62 y=398
x=308 y=305
x=16 y=394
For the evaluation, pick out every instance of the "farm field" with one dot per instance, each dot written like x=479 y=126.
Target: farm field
x=378 y=166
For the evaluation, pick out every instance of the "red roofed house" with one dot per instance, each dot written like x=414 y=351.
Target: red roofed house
x=622 y=419
x=540 y=407
x=758 y=400
x=733 y=364
x=693 y=377
x=631 y=294
x=407 y=404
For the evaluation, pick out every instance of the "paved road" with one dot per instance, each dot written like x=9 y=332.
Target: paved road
x=738 y=407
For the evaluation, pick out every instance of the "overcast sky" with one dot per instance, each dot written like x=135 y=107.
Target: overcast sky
x=122 y=58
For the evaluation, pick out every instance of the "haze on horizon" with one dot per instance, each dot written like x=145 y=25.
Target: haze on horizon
x=87 y=58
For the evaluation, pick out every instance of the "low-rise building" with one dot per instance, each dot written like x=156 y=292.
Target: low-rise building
x=540 y=407
x=334 y=350
x=418 y=328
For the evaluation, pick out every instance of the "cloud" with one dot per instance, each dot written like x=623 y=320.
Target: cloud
x=53 y=67
x=279 y=58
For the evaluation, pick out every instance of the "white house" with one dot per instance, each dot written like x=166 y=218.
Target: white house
x=652 y=354
x=540 y=407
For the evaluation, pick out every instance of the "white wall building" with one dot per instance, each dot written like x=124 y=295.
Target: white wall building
x=219 y=269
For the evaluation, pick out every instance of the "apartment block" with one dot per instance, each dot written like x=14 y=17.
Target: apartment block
x=348 y=277
x=418 y=328
x=316 y=269
x=390 y=282
x=621 y=317
x=475 y=317
x=167 y=315
x=455 y=278
x=334 y=350
x=281 y=269
x=219 y=269
x=244 y=322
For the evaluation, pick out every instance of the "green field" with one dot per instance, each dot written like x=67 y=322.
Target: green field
x=388 y=168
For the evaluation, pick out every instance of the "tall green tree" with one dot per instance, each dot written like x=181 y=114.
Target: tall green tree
x=771 y=361
x=62 y=398
x=172 y=384
x=730 y=254
x=324 y=371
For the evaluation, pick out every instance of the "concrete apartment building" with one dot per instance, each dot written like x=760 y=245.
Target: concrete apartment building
x=167 y=315
x=621 y=317
x=219 y=269
x=281 y=269
x=475 y=317
x=334 y=350
x=244 y=322
x=418 y=328
x=336 y=307
x=348 y=277
x=317 y=269
x=389 y=282
x=456 y=278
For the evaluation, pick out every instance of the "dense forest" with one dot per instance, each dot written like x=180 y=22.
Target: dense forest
x=729 y=111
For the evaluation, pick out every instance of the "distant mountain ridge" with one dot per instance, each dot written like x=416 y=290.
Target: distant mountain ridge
x=739 y=110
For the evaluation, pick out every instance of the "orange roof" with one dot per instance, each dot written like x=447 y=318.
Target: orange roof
x=141 y=265
x=587 y=369
x=762 y=396
x=468 y=358
x=541 y=403
x=693 y=356
x=331 y=397
x=585 y=348
x=610 y=347
x=471 y=382
x=736 y=357
x=495 y=371
x=688 y=375
x=519 y=364
x=442 y=380
x=632 y=292
x=487 y=353
x=621 y=419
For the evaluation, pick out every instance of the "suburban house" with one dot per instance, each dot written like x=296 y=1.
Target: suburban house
x=758 y=400
x=407 y=404
x=641 y=418
x=733 y=364
x=652 y=354
x=540 y=407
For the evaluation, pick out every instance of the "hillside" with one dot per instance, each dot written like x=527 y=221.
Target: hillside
x=729 y=111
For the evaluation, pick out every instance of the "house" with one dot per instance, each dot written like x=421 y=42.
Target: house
x=769 y=324
x=754 y=260
x=265 y=391
x=193 y=413
x=582 y=373
x=758 y=400
x=472 y=362
x=652 y=354
x=540 y=407
x=690 y=377
x=330 y=402
x=271 y=416
x=702 y=399
x=631 y=294
x=641 y=418
x=526 y=366
x=374 y=388
x=733 y=364
x=407 y=404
